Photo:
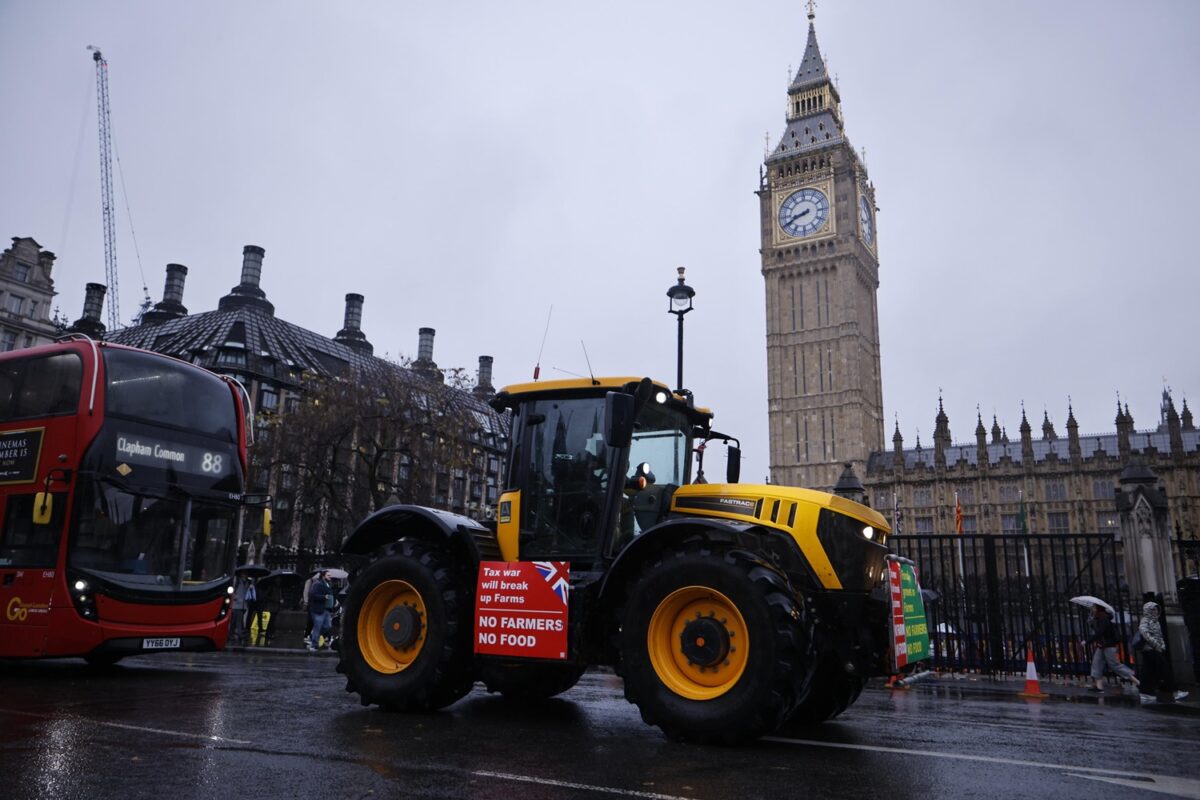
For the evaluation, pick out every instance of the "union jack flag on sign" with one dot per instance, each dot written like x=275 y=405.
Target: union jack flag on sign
x=558 y=575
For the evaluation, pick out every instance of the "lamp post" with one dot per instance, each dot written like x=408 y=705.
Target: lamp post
x=681 y=302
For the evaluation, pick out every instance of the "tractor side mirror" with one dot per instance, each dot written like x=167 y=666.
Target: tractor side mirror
x=618 y=419
x=733 y=467
x=43 y=508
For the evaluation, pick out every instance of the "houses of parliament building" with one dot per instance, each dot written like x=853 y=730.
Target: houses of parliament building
x=821 y=266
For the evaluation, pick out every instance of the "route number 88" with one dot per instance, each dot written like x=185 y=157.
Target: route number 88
x=211 y=462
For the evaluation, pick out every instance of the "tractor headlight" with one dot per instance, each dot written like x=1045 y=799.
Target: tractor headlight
x=869 y=532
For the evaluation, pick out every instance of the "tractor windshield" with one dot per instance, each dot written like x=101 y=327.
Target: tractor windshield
x=662 y=440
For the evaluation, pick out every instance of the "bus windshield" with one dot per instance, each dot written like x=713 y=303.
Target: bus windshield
x=146 y=387
x=151 y=543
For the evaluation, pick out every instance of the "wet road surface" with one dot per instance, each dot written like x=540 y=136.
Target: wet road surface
x=253 y=725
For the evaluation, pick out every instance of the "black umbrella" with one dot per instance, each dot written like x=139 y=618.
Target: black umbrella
x=252 y=571
x=291 y=585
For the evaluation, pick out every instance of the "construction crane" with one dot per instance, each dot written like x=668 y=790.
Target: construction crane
x=106 y=190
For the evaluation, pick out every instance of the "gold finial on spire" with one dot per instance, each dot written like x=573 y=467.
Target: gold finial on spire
x=812 y=9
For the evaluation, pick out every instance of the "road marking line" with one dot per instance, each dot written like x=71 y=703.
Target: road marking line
x=1015 y=762
x=505 y=776
x=856 y=714
x=1180 y=787
x=124 y=726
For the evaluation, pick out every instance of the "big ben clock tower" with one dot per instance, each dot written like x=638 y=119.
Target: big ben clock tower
x=820 y=263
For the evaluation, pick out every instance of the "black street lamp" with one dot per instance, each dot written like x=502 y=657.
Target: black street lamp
x=681 y=302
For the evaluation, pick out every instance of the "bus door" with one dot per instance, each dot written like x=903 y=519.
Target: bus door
x=28 y=571
x=40 y=401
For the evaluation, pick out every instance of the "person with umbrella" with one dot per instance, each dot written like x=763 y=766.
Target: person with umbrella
x=239 y=622
x=1104 y=637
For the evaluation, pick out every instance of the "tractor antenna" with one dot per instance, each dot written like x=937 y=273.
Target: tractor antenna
x=537 y=368
x=591 y=374
x=566 y=372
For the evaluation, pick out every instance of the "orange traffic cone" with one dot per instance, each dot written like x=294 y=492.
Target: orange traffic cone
x=1032 y=689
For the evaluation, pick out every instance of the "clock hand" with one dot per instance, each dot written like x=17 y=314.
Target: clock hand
x=798 y=216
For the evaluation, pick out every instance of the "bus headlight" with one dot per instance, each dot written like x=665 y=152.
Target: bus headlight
x=226 y=602
x=84 y=599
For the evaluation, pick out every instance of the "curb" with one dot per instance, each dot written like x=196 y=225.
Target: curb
x=1011 y=689
x=277 y=651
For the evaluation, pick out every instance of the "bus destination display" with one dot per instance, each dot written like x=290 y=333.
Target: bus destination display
x=151 y=452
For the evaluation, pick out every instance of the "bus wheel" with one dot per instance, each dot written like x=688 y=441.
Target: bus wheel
x=406 y=635
x=712 y=645
x=531 y=681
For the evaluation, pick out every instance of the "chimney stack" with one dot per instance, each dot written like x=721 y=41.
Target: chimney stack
x=248 y=292
x=425 y=344
x=484 y=388
x=425 y=365
x=351 y=333
x=252 y=258
x=173 y=289
x=93 y=304
x=171 y=306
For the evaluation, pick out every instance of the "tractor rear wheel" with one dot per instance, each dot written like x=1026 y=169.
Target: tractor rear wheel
x=406 y=635
x=712 y=646
x=531 y=681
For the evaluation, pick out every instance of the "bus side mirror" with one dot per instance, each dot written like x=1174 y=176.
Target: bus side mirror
x=43 y=508
x=733 y=467
x=266 y=522
x=618 y=419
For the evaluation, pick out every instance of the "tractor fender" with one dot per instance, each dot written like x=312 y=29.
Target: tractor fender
x=642 y=550
x=773 y=547
x=453 y=532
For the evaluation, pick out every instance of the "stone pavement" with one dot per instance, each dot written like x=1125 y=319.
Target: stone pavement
x=1074 y=690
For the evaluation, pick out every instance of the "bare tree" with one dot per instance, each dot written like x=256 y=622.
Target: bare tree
x=353 y=445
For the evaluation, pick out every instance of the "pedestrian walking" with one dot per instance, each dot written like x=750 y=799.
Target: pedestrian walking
x=304 y=604
x=320 y=604
x=254 y=619
x=1155 y=677
x=1104 y=637
x=237 y=619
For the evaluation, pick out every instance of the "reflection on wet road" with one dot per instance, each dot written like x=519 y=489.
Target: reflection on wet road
x=217 y=725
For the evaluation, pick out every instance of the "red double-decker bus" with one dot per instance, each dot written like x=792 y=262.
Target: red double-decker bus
x=122 y=473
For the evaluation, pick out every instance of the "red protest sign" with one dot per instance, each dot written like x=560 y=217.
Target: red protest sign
x=899 y=632
x=521 y=608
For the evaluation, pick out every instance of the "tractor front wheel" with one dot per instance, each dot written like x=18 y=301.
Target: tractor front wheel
x=712 y=646
x=406 y=635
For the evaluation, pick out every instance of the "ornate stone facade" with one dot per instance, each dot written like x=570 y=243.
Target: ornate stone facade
x=821 y=269
x=26 y=291
x=1057 y=485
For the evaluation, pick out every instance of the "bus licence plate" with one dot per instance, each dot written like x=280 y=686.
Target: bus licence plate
x=160 y=644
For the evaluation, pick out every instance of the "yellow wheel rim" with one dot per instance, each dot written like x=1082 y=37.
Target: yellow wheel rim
x=392 y=624
x=698 y=643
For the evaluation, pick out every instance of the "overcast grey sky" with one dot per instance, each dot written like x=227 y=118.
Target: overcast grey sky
x=467 y=165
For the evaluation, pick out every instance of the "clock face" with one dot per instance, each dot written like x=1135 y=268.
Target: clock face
x=804 y=212
x=865 y=221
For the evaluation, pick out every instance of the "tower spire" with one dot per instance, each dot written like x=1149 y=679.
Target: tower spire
x=812 y=9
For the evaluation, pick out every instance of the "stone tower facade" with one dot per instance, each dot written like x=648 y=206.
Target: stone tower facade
x=820 y=264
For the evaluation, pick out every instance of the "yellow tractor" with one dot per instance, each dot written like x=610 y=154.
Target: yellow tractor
x=729 y=610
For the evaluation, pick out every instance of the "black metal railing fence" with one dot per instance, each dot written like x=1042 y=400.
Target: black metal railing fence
x=995 y=596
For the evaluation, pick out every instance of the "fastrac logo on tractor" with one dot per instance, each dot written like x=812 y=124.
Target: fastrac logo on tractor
x=728 y=609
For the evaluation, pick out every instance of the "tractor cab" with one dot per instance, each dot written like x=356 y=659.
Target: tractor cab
x=594 y=463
